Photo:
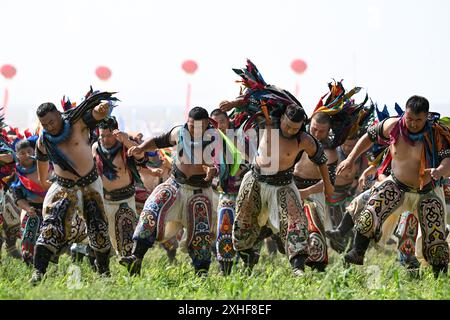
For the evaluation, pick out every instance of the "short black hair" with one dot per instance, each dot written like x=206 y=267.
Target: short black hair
x=218 y=112
x=198 y=113
x=45 y=108
x=23 y=144
x=418 y=104
x=295 y=113
x=109 y=123
x=322 y=118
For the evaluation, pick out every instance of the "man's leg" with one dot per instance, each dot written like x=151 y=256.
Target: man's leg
x=11 y=215
x=224 y=243
x=97 y=227
x=171 y=246
x=245 y=227
x=318 y=249
x=407 y=231
x=431 y=212
x=352 y=213
x=150 y=226
x=385 y=199
x=59 y=206
x=122 y=221
x=30 y=233
x=293 y=226
x=199 y=235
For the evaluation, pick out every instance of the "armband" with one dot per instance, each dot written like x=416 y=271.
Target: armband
x=39 y=155
x=319 y=157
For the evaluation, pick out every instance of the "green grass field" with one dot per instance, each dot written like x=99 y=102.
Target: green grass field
x=381 y=278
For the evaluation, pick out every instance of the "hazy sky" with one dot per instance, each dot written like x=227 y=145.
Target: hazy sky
x=394 y=49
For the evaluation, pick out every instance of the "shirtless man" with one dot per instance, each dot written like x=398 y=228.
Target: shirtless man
x=74 y=202
x=225 y=194
x=119 y=174
x=309 y=182
x=345 y=188
x=184 y=200
x=268 y=197
x=414 y=184
x=28 y=196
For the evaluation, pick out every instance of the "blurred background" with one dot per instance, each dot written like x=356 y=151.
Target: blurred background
x=164 y=56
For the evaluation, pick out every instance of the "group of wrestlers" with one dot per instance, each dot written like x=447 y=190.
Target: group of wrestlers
x=255 y=170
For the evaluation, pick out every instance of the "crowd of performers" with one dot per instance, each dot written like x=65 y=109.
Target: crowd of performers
x=345 y=176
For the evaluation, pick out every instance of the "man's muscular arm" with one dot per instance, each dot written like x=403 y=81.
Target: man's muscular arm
x=125 y=140
x=317 y=155
x=365 y=142
x=6 y=158
x=166 y=140
x=42 y=165
x=442 y=171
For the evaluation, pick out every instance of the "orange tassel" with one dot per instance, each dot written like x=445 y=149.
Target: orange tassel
x=266 y=113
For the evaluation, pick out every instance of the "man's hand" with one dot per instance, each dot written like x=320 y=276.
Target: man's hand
x=347 y=164
x=226 y=106
x=362 y=181
x=210 y=172
x=134 y=151
x=47 y=184
x=103 y=108
x=304 y=193
x=435 y=173
x=121 y=136
x=156 y=172
x=329 y=189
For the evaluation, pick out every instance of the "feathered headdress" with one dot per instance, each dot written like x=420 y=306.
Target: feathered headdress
x=259 y=98
x=346 y=116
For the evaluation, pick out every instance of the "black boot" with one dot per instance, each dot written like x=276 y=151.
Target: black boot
x=250 y=258
x=344 y=227
x=437 y=269
x=134 y=262
x=171 y=254
x=42 y=257
x=225 y=267
x=360 y=245
x=298 y=264
x=319 y=266
x=280 y=244
x=102 y=262
x=202 y=269
x=271 y=246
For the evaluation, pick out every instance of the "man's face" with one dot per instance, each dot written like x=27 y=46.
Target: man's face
x=25 y=157
x=197 y=128
x=222 y=122
x=348 y=145
x=107 y=139
x=139 y=137
x=320 y=131
x=415 y=122
x=52 y=122
x=288 y=127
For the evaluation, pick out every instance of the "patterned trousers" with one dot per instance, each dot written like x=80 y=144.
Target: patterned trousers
x=388 y=201
x=173 y=206
x=258 y=205
x=70 y=212
x=122 y=220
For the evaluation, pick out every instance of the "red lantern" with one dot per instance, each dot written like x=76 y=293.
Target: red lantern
x=299 y=66
x=189 y=66
x=8 y=71
x=103 y=73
